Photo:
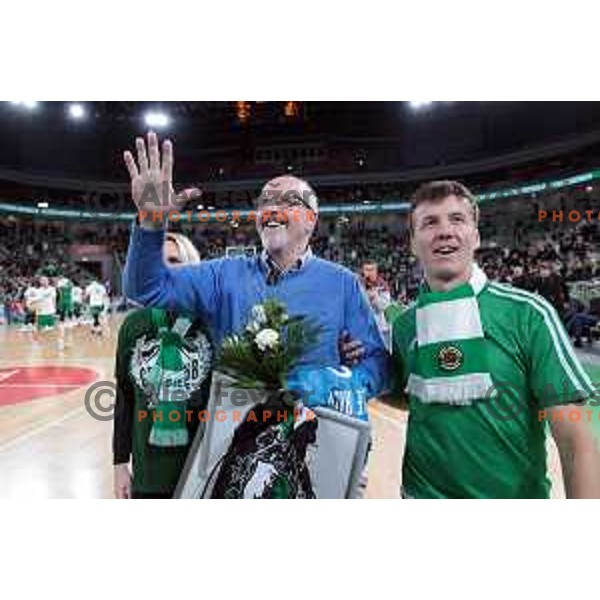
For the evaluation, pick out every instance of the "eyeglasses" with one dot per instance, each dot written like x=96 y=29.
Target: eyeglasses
x=287 y=200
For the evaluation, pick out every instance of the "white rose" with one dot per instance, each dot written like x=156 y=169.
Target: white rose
x=258 y=314
x=253 y=327
x=266 y=338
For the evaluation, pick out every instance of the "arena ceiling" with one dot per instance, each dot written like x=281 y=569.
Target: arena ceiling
x=240 y=140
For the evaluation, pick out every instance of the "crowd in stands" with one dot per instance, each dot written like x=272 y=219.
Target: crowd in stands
x=31 y=250
x=550 y=266
x=546 y=265
x=568 y=252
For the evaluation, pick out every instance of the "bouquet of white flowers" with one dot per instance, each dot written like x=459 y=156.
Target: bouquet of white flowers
x=271 y=344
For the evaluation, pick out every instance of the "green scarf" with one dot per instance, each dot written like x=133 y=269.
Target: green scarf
x=449 y=364
x=167 y=380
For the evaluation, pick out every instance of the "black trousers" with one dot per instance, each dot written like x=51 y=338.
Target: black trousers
x=135 y=495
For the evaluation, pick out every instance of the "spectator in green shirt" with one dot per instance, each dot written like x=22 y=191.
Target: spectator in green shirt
x=158 y=451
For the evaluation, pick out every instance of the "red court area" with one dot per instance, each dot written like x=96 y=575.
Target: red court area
x=25 y=384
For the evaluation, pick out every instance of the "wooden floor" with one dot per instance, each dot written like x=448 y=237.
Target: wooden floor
x=50 y=447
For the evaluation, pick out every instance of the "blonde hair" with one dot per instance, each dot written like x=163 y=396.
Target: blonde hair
x=188 y=253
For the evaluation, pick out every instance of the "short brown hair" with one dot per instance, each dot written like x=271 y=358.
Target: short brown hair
x=434 y=191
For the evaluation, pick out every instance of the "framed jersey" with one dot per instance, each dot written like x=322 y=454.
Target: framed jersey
x=335 y=460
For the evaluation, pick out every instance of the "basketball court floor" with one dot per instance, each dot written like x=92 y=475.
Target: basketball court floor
x=50 y=446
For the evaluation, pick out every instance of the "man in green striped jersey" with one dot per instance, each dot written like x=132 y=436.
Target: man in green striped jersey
x=483 y=365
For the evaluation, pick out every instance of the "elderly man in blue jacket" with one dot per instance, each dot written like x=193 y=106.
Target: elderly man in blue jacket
x=223 y=291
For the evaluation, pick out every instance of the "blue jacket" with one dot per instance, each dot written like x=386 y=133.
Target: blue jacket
x=223 y=291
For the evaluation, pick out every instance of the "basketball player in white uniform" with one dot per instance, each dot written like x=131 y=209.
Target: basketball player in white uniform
x=77 y=303
x=97 y=299
x=46 y=312
x=30 y=297
x=46 y=305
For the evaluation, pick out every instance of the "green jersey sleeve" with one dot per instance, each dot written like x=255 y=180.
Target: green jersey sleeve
x=556 y=376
